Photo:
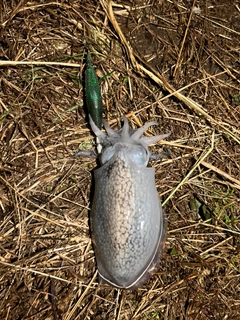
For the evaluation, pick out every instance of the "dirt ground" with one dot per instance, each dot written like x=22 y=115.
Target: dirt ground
x=176 y=62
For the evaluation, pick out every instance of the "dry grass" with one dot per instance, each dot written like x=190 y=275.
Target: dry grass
x=169 y=63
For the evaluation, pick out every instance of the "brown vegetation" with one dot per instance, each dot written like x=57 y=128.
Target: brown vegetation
x=173 y=61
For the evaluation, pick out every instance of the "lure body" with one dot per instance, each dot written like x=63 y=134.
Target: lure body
x=93 y=93
x=128 y=223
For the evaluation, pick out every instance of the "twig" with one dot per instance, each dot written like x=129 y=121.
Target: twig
x=184 y=39
x=193 y=168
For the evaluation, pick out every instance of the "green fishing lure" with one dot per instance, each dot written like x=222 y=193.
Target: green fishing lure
x=93 y=93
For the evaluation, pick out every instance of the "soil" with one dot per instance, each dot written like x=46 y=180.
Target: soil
x=176 y=62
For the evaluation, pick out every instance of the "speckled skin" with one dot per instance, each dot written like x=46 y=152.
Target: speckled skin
x=128 y=224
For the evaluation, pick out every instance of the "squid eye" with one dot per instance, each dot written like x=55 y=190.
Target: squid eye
x=107 y=154
x=138 y=155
